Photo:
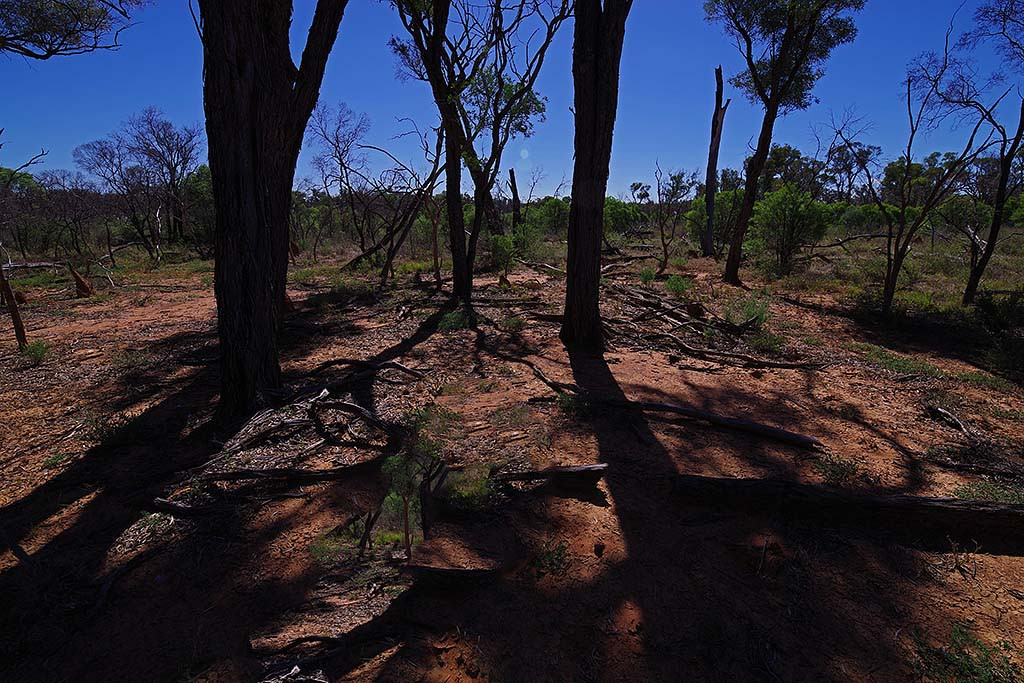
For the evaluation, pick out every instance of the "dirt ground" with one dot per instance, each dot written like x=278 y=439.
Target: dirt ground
x=633 y=583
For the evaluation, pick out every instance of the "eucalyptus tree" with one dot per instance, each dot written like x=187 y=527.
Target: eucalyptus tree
x=257 y=102
x=785 y=44
x=41 y=29
x=707 y=240
x=598 y=36
x=481 y=61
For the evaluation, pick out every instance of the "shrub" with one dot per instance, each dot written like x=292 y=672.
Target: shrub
x=513 y=324
x=36 y=351
x=679 y=286
x=460 y=319
x=646 y=276
x=751 y=310
x=785 y=220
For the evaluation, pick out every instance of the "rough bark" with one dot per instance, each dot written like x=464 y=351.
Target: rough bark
x=597 y=51
x=755 y=167
x=711 y=179
x=257 y=105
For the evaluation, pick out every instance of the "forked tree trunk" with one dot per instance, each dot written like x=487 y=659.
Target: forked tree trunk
x=711 y=179
x=597 y=52
x=12 y=308
x=257 y=105
x=755 y=167
x=1008 y=156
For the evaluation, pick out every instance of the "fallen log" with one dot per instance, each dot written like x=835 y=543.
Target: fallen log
x=573 y=476
x=932 y=523
x=294 y=475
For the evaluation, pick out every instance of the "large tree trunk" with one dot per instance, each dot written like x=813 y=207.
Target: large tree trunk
x=711 y=179
x=978 y=267
x=12 y=308
x=597 y=52
x=257 y=106
x=462 y=274
x=754 y=169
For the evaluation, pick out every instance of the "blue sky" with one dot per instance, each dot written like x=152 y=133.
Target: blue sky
x=666 y=94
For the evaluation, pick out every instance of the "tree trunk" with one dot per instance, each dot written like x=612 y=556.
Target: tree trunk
x=257 y=105
x=517 y=206
x=1008 y=156
x=462 y=275
x=597 y=52
x=711 y=179
x=754 y=169
x=12 y=308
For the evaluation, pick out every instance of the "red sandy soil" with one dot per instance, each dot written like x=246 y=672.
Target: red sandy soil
x=646 y=586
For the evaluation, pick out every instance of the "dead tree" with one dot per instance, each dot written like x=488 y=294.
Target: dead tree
x=596 y=55
x=707 y=243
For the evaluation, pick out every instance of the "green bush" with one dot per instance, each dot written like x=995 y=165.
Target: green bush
x=646 y=276
x=785 y=220
x=460 y=319
x=679 y=286
x=36 y=351
x=750 y=310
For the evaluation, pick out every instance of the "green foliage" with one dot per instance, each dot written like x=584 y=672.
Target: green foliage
x=621 y=217
x=552 y=559
x=990 y=491
x=548 y=216
x=646 y=276
x=790 y=43
x=887 y=360
x=679 y=286
x=513 y=324
x=326 y=549
x=750 y=310
x=727 y=210
x=460 y=319
x=966 y=659
x=504 y=252
x=764 y=341
x=36 y=352
x=786 y=219
x=56 y=460
x=470 y=489
x=836 y=470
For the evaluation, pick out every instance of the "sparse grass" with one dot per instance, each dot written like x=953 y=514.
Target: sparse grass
x=966 y=659
x=679 y=286
x=39 y=278
x=811 y=340
x=347 y=287
x=887 y=360
x=766 y=342
x=991 y=492
x=512 y=417
x=56 y=460
x=305 y=276
x=646 y=276
x=36 y=352
x=980 y=378
x=574 y=405
x=836 y=470
x=129 y=360
x=751 y=310
x=513 y=324
x=326 y=549
x=552 y=559
x=461 y=319
x=679 y=262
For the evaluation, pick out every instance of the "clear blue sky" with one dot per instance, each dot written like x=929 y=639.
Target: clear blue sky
x=665 y=100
